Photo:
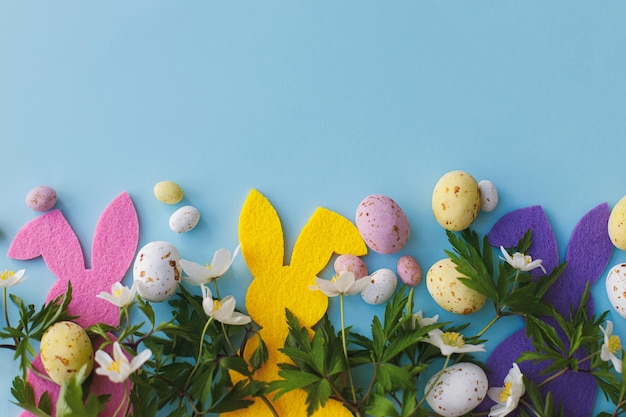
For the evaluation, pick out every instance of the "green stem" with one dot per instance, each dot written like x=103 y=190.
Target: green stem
x=217 y=290
x=125 y=401
x=6 y=310
x=345 y=347
x=195 y=368
x=445 y=365
x=515 y=281
x=493 y=321
x=228 y=342
x=530 y=408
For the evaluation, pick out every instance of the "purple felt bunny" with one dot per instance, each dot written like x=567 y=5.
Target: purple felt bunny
x=587 y=256
x=114 y=244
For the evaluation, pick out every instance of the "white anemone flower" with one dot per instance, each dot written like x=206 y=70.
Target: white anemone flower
x=451 y=342
x=10 y=278
x=222 y=310
x=343 y=283
x=611 y=346
x=424 y=321
x=120 y=295
x=198 y=274
x=521 y=262
x=118 y=368
x=507 y=397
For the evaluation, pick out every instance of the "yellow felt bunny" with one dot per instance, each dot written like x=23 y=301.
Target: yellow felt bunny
x=276 y=287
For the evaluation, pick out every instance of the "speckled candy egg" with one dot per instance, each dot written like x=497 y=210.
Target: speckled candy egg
x=41 y=198
x=488 y=196
x=65 y=348
x=350 y=263
x=459 y=389
x=382 y=224
x=168 y=192
x=157 y=271
x=456 y=200
x=616 y=288
x=442 y=281
x=409 y=270
x=617 y=224
x=184 y=219
x=383 y=283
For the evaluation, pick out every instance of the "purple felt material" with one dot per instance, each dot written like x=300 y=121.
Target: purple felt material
x=587 y=256
x=114 y=244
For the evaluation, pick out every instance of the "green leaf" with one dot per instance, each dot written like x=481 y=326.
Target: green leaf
x=259 y=356
x=381 y=406
x=292 y=380
x=317 y=395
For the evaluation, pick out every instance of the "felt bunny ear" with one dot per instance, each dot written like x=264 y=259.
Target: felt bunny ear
x=260 y=234
x=326 y=233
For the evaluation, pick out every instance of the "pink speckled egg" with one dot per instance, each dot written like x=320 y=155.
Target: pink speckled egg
x=409 y=270
x=350 y=263
x=382 y=224
x=41 y=198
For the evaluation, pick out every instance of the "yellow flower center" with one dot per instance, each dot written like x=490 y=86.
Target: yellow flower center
x=505 y=393
x=453 y=339
x=615 y=344
x=4 y=275
x=208 y=266
x=117 y=293
x=115 y=366
x=216 y=305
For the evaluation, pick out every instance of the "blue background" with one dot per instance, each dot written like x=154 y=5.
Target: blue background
x=314 y=104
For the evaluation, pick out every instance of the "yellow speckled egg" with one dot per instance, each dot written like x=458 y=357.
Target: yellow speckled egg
x=456 y=200
x=65 y=348
x=449 y=292
x=617 y=224
x=168 y=192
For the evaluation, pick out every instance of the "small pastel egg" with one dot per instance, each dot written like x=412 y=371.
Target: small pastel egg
x=41 y=198
x=409 y=270
x=382 y=224
x=456 y=200
x=65 y=348
x=184 y=219
x=168 y=192
x=157 y=271
x=616 y=288
x=383 y=283
x=488 y=196
x=442 y=281
x=350 y=263
x=458 y=390
x=617 y=224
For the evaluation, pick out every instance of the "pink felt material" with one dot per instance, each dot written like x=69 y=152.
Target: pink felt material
x=113 y=249
x=587 y=256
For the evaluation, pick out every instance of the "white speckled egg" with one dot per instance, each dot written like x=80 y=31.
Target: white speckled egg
x=65 y=348
x=617 y=224
x=409 y=270
x=616 y=288
x=350 y=263
x=488 y=196
x=456 y=200
x=458 y=390
x=442 y=281
x=383 y=283
x=157 y=271
x=184 y=219
x=382 y=224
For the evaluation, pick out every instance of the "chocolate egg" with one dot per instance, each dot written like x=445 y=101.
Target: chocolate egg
x=616 y=288
x=409 y=270
x=382 y=224
x=184 y=219
x=383 y=283
x=442 y=281
x=350 y=263
x=65 y=348
x=458 y=390
x=456 y=200
x=41 y=198
x=157 y=271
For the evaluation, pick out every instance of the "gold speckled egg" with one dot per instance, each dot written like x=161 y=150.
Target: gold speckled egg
x=456 y=200
x=442 y=281
x=617 y=224
x=65 y=348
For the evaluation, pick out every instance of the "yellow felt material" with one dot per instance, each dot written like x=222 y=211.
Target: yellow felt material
x=276 y=286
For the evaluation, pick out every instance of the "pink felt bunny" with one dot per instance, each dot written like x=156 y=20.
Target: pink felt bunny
x=113 y=249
